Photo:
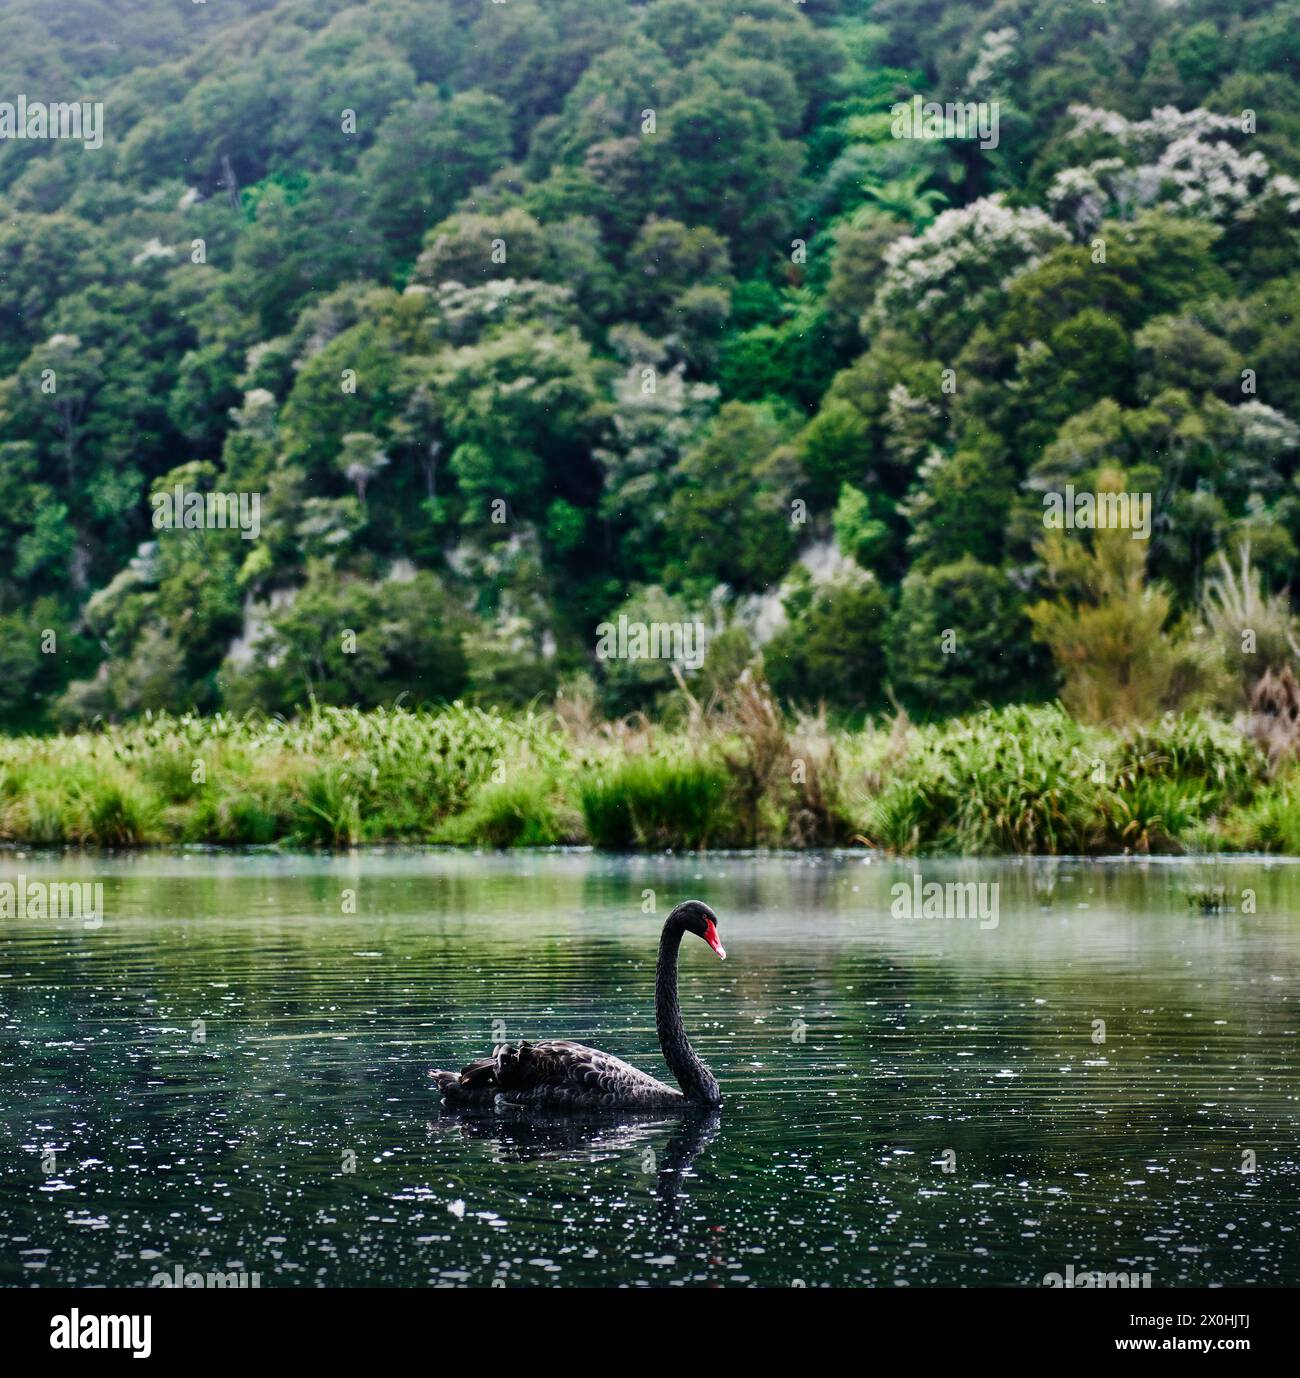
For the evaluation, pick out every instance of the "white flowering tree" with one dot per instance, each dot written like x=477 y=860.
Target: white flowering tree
x=960 y=263
x=1187 y=162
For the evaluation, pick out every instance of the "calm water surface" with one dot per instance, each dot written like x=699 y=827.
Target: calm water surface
x=908 y=1101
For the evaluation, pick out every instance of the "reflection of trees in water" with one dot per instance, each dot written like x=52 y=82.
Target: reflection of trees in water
x=515 y=1136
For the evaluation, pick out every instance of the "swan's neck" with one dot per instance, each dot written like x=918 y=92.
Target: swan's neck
x=695 y=1079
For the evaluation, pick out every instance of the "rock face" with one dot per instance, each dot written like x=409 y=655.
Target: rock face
x=1274 y=717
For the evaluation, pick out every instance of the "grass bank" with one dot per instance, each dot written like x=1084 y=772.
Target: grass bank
x=1013 y=780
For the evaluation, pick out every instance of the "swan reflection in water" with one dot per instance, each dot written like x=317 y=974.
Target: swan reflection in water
x=513 y=1136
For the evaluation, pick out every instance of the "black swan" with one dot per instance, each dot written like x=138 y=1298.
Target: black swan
x=559 y=1075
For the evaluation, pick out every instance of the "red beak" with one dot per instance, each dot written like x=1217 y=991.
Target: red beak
x=711 y=937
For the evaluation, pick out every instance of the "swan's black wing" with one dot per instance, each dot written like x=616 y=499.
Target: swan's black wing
x=556 y=1074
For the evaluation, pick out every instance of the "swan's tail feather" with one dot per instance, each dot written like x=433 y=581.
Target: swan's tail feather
x=448 y=1083
x=476 y=1084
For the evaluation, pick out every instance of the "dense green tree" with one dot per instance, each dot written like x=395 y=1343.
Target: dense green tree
x=832 y=648
x=354 y=642
x=426 y=155
x=958 y=637
x=731 y=516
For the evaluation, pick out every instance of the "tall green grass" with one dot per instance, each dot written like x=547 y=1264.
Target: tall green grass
x=1270 y=822
x=656 y=802
x=1032 y=780
x=1012 y=780
x=520 y=812
x=332 y=777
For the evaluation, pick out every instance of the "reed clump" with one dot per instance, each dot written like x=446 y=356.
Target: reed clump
x=656 y=801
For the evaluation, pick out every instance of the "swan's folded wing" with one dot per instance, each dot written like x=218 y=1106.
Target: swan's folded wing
x=559 y=1063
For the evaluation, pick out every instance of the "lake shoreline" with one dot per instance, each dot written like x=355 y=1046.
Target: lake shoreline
x=10 y=851
x=1021 y=780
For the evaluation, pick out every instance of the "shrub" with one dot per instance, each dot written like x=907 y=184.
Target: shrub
x=606 y=811
x=1152 y=814
x=1020 y=780
x=1108 y=629
x=1240 y=613
x=234 y=818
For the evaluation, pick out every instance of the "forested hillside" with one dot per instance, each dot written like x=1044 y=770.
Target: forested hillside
x=521 y=316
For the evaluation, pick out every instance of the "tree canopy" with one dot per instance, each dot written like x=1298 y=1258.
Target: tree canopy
x=514 y=316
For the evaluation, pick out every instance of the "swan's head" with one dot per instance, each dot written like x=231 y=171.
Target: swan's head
x=696 y=917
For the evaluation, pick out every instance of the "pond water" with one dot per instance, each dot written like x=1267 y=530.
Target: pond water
x=229 y=1073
